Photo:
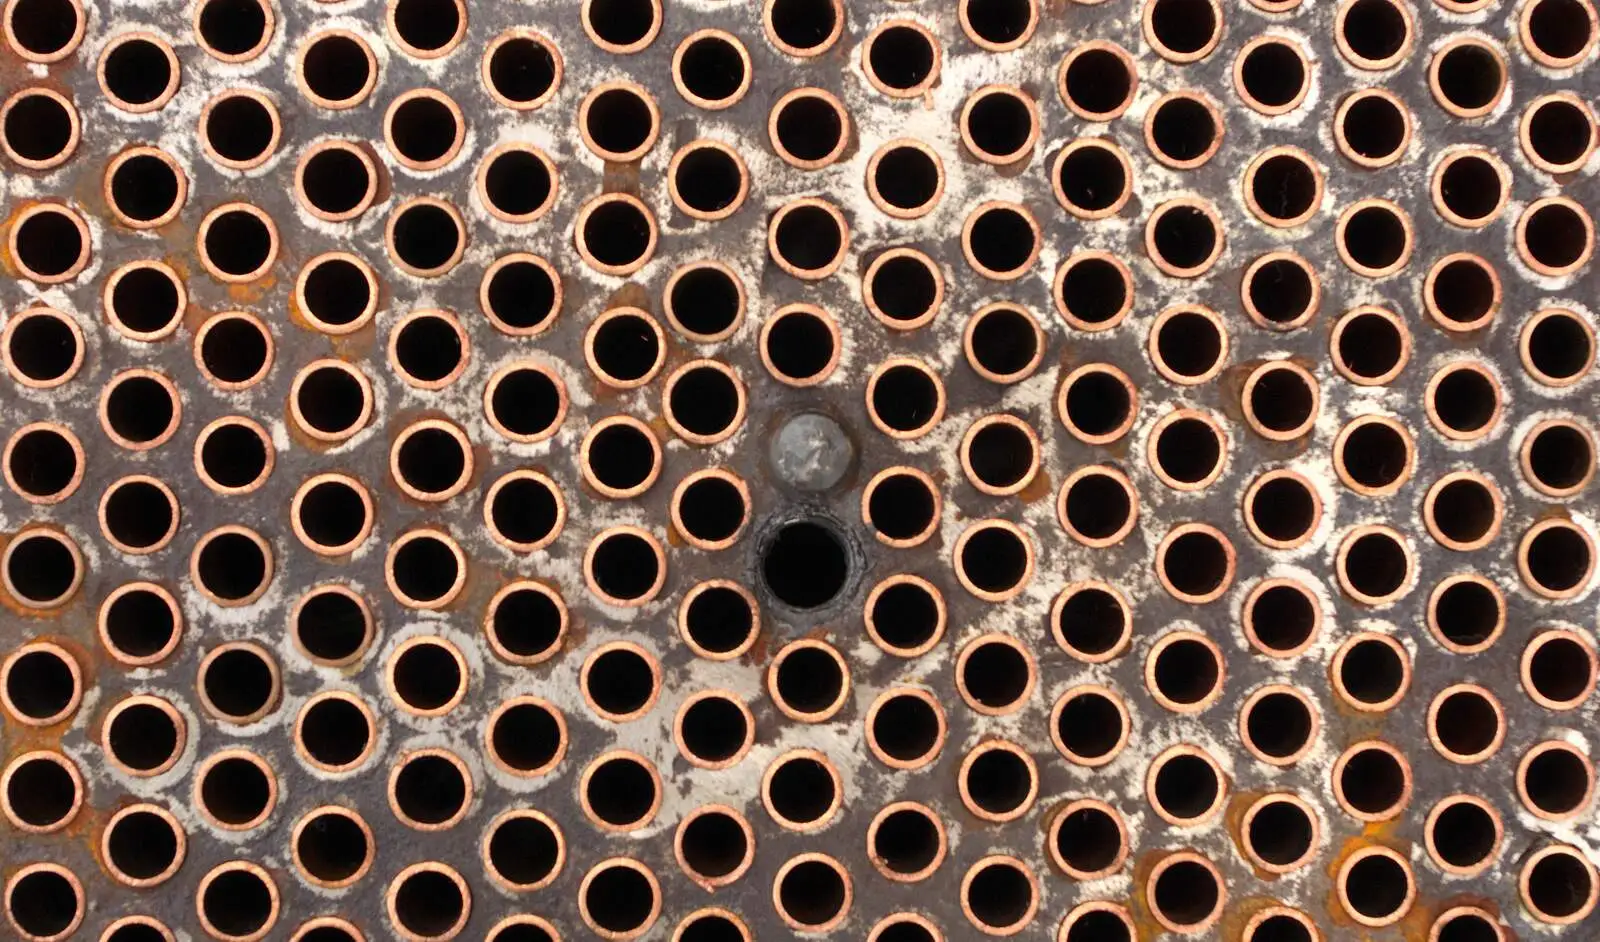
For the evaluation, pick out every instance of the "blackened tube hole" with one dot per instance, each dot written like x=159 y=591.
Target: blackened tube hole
x=522 y=70
x=805 y=564
x=430 y=789
x=427 y=676
x=232 y=566
x=719 y=619
x=625 y=566
x=906 y=728
x=1090 y=726
x=335 y=732
x=335 y=181
x=137 y=72
x=714 y=730
x=332 y=847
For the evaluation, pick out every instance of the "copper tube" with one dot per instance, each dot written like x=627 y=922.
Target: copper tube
x=1370 y=346
x=812 y=892
x=1184 y=129
x=1462 y=292
x=905 y=615
x=998 y=781
x=145 y=188
x=239 y=129
x=327 y=929
x=336 y=180
x=1195 y=562
x=902 y=506
x=1463 y=510
x=428 y=902
x=143 y=735
x=331 y=625
x=1280 y=833
x=1374 y=236
x=526 y=622
x=1003 y=343
x=608 y=234
x=522 y=69
x=1092 y=178
x=905 y=179
x=1280 y=291
x=1188 y=344
x=1374 y=455
x=998 y=27
x=999 y=124
x=1467 y=76
x=900 y=58
x=809 y=128
x=714 y=845
x=1376 y=886
x=1001 y=240
x=235 y=790
x=719 y=619
x=1087 y=839
x=429 y=349
x=703 y=402
x=140 y=623
x=517 y=182
x=430 y=789
x=625 y=566
x=1372 y=781
x=816 y=685
x=711 y=69
x=1374 y=35
x=906 y=841
x=995 y=674
x=1185 y=892
x=609 y=898
x=1474 y=923
x=1371 y=672
x=714 y=729
x=1000 y=895
x=34 y=31
x=622 y=28
x=337 y=293
x=1558 y=669
x=800 y=343
x=905 y=398
x=234 y=350
x=237 y=901
x=141 y=929
x=1185 y=785
x=336 y=69
x=1470 y=187
x=526 y=737
x=1558 y=34
x=427 y=29
x=1375 y=564
x=1463 y=400
x=523 y=850
x=993 y=559
x=138 y=514
x=1187 y=449
x=1555 y=780
x=1372 y=127
x=1555 y=236
x=1558 y=885
x=1281 y=617
x=425 y=569
x=35 y=345
x=1282 y=509
x=239 y=682
x=1280 y=922
x=906 y=926
x=1557 y=457
x=1283 y=186
x=41 y=128
x=525 y=401
x=145 y=300
x=1279 y=724
x=1182 y=31
x=1097 y=79
x=1093 y=290
x=335 y=732
x=1466 y=613
x=41 y=568
x=1090 y=725
x=524 y=511
x=704 y=301
x=237 y=243
x=801 y=790
x=620 y=791
x=1466 y=723
x=138 y=72
x=1556 y=558
x=809 y=238
x=1557 y=132
x=49 y=243
x=620 y=681
x=708 y=180
x=905 y=728
x=619 y=121
x=620 y=457
x=1281 y=400
x=427 y=675
x=1463 y=834
x=1097 y=403
x=231 y=565
x=44 y=902
x=413 y=236
x=234 y=32
x=1097 y=921
x=41 y=791
x=1000 y=455
x=1097 y=506
x=41 y=684
x=1184 y=236
x=1271 y=74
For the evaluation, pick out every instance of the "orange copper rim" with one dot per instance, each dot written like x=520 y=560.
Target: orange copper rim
x=1455 y=805
x=1182 y=922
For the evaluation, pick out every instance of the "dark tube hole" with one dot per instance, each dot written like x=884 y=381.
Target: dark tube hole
x=1561 y=670
x=1559 y=885
x=432 y=460
x=137 y=72
x=522 y=70
x=622 y=457
x=802 y=790
x=1556 y=235
x=429 y=904
x=1098 y=403
x=1372 y=780
x=1375 y=455
x=240 y=128
x=804 y=24
x=706 y=301
x=1464 y=510
x=1280 y=725
x=526 y=401
x=1284 y=509
x=524 y=850
x=1184 y=26
x=999 y=23
x=1374 y=127
x=1186 y=893
x=525 y=510
x=331 y=626
x=712 y=509
x=43 y=904
x=1092 y=621
x=906 y=728
x=1281 y=833
x=999 y=781
x=1470 y=77
x=1372 y=672
x=428 y=25
x=1186 y=671
x=38 y=127
x=40 y=792
x=424 y=129
x=430 y=789
x=805 y=564
x=810 y=680
x=627 y=347
x=1092 y=178
x=1283 y=617
x=1000 y=124
x=145 y=299
x=1560 y=347
x=238 y=243
x=704 y=400
x=1005 y=341
x=1273 y=74
x=907 y=841
x=1376 y=886
x=1559 y=559
x=1370 y=345
x=145 y=187
x=1464 y=835
x=337 y=291
x=43 y=348
x=41 y=569
x=427 y=676
x=1184 y=235
x=903 y=58
x=1282 y=401
x=331 y=400
x=43 y=462
x=809 y=127
x=1196 y=563
x=809 y=238
x=336 y=68
x=139 y=624
x=617 y=233
x=49 y=243
x=1184 y=129
x=138 y=514
x=1089 y=839
x=239 y=682
x=812 y=893
x=332 y=514
x=1098 y=506
x=1471 y=188
x=335 y=732
x=143 y=737
x=142 y=845
x=1375 y=30
x=518 y=183
x=526 y=737
x=45 y=27
x=235 y=350
x=426 y=236
x=1376 y=565
x=712 y=69
x=621 y=22
x=619 y=120
x=620 y=899
x=1467 y=613
x=1094 y=291
x=1186 y=786
x=40 y=684
x=1002 y=240
x=719 y=620
x=905 y=398
x=336 y=181
x=620 y=682
x=708 y=179
x=1375 y=237
x=994 y=559
x=901 y=507
x=905 y=615
x=620 y=791
x=333 y=847
x=1285 y=187
x=1558 y=782
x=1465 y=400
x=1560 y=132
x=625 y=566
x=907 y=178
x=1464 y=290
x=1000 y=895
x=1098 y=80
x=233 y=27
x=714 y=729
x=996 y=675
x=235 y=791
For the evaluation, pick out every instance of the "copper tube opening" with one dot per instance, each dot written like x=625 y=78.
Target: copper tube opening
x=1087 y=840
x=521 y=294
x=1281 y=400
x=430 y=789
x=138 y=72
x=239 y=682
x=1188 y=345
x=998 y=781
x=1374 y=238
x=1463 y=400
x=1185 y=892
x=999 y=124
x=1280 y=834
x=332 y=625
x=44 y=30
x=1278 y=724
x=145 y=188
x=801 y=790
x=905 y=728
x=40 y=568
x=1371 y=672
x=1280 y=291
x=1097 y=403
x=240 y=128
x=231 y=565
x=711 y=69
x=1374 y=455
x=427 y=675
x=143 y=845
x=236 y=790
x=234 y=30
x=1092 y=178
x=615 y=234
x=1373 y=34
x=1195 y=562
x=431 y=460
x=704 y=301
x=901 y=58
x=1462 y=292
x=337 y=292
x=1558 y=33
x=143 y=735
x=1182 y=30
x=138 y=514
x=995 y=674
x=1466 y=723
x=1556 y=558
x=1463 y=510
x=237 y=243
x=619 y=898
x=50 y=243
x=1096 y=921
x=905 y=178
x=1370 y=346
x=41 y=791
x=905 y=398
x=1090 y=725
x=620 y=791
x=1466 y=613
x=331 y=400
x=1558 y=133
x=997 y=26
x=622 y=26
x=1281 y=617
x=1559 y=669
x=1187 y=449
x=521 y=69
x=1467 y=924
x=994 y=559
x=1375 y=565
x=803 y=27
x=1093 y=290
x=620 y=457
x=1372 y=781
x=1184 y=236
x=429 y=350
x=1555 y=780
x=1185 y=785
x=140 y=624
x=335 y=731
x=1372 y=127
x=524 y=511
x=808 y=238
x=1003 y=343
x=233 y=350
x=1097 y=506
x=1001 y=241
x=145 y=300
x=1558 y=885
x=1272 y=75
x=800 y=344
x=525 y=401
x=336 y=69
x=1558 y=457
x=333 y=847
x=1282 y=509
x=903 y=288
x=620 y=681
x=1283 y=187
x=41 y=684
x=812 y=892
x=809 y=128
x=44 y=902
x=427 y=29
x=625 y=566
x=429 y=901
x=1376 y=887
x=426 y=237
x=719 y=619
x=714 y=729
x=39 y=128
x=1000 y=895
x=708 y=180
x=1463 y=834
x=1467 y=77
x=1097 y=78
x=906 y=841
x=714 y=845
x=904 y=927
x=905 y=615
x=809 y=681
x=517 y=183
x=1555 y=236
x=42 y=348
x=619 y=121
x=1000 y=455
x=336 y=180
x=526 y=736
x=1470 y=188
x=524 y=850
x=1183 y=129
x=710 y=508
